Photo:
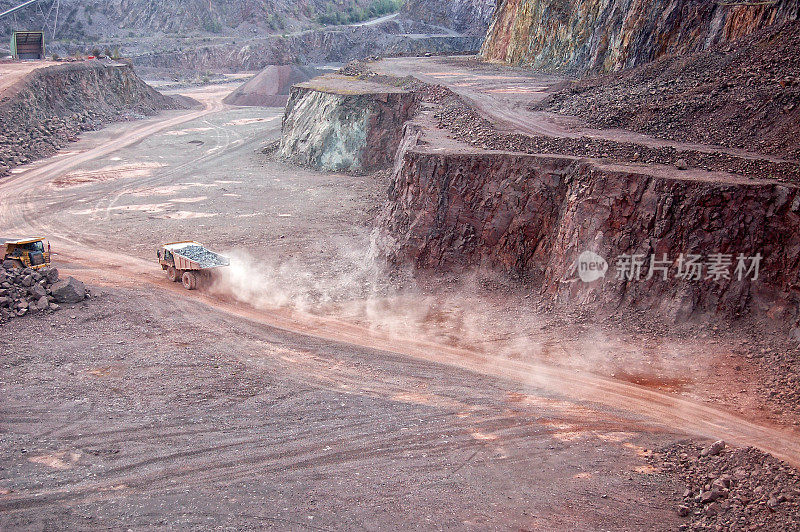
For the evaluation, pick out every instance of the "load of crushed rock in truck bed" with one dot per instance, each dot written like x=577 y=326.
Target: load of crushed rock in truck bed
x=202 y=256
x=24 y=291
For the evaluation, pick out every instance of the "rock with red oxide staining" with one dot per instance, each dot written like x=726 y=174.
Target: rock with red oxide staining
x=609 y=35
x=531 y=216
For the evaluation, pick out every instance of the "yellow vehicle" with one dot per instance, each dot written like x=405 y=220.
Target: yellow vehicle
x=26 y=252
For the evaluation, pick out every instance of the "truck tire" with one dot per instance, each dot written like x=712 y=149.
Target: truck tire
x=173 y=274
x=189 y=280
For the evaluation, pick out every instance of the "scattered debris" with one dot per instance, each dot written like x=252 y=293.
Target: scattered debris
x=732 y=489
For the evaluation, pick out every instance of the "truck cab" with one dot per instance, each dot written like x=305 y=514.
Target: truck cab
x=31 y=253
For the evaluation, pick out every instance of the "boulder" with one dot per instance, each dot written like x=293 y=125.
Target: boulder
x=714 y=449
x=38 y=290
x=10 y=264
x=51 y=275
x=43 y=303
x=69 y=290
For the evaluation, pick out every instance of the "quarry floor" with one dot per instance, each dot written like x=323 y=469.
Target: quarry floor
x=312 y=390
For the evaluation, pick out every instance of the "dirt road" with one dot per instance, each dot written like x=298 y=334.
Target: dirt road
x=11 y=73
x=149 y=405
x=504 y=95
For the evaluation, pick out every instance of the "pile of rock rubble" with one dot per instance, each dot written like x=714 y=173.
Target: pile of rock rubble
x=733 y=489
x=24 y=291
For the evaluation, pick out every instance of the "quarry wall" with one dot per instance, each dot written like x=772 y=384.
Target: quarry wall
x=340 y=131
x=531 y=217
x=312 y=47
x=466 y=16
x=609 y=35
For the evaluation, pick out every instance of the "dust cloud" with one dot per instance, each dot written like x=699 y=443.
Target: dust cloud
x=356 y=287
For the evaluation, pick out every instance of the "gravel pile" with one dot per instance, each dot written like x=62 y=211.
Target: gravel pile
x=706 y=97
x=733 y=489
x=204 y=257
x=25 y=291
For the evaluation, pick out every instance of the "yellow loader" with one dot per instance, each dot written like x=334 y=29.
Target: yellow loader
x=31 y=253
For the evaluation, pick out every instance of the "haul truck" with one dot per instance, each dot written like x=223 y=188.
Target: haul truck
x=31 y=253
x=189 y=262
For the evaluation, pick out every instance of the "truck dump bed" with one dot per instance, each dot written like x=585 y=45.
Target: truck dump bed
x=193 y=256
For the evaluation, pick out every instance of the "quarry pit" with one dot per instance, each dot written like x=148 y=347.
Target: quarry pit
x=402 y=340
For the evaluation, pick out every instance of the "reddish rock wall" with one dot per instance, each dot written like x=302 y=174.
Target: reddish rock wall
x=532 y=215
x=607 y=35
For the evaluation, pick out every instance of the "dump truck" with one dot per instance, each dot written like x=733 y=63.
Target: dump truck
x=190 y=262
x=31 y=253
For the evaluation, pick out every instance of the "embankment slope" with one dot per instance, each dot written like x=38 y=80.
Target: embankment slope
x=49 y=106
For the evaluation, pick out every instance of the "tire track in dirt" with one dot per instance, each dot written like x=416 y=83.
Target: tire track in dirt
x=284 y=455
x=656 y=407
x=231 y=465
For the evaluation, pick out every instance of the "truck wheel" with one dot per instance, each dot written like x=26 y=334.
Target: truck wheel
x=173 y=274
x=189 y=280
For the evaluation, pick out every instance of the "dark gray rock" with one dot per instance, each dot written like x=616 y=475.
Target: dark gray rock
x=43 y=303
x=69 y=290
x=51 y=274
x=38 y=290
x=10 y=264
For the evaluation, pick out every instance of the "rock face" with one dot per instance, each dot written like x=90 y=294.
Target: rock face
x=532 y=216
x=608 y=35
x=353 y=131
x=50 y=106
x=312 y=47
x=151 y=16
x=471 y=17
